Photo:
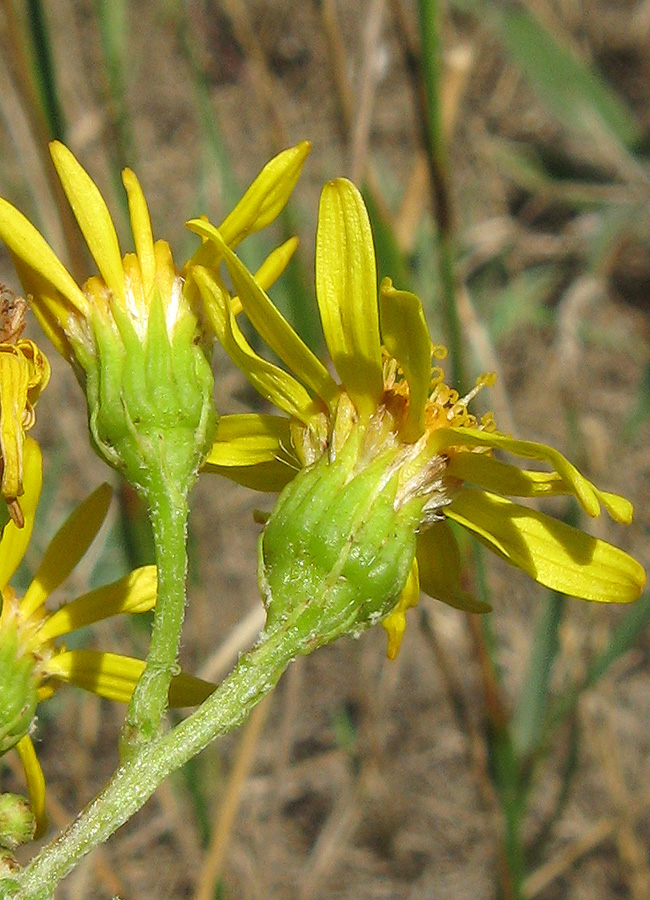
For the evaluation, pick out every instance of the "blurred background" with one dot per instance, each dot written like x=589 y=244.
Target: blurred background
x=506 y=757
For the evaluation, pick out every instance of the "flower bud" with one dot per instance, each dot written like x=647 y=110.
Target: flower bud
x=16 y=821
x=149 y=390
x=338 y=548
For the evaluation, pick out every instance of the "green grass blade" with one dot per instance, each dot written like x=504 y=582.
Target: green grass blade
x=523 y=302
x=293 y=293
x=44 y=69
x=429 y=22
x=390 y=259
x=572 y=90
x=624 y=637
x=641 y=409
x=529 y=719
x=113 y=30
x=567 y=771
x=569 y=87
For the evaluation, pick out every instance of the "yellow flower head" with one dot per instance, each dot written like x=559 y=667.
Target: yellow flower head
x=391 y=428
x=132 y=333
x=33 y=661
x=24 y=373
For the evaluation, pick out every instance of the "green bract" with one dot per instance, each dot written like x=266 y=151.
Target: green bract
x=18 y=689
x=16 y=821
x=150 y=398
x=335 y=554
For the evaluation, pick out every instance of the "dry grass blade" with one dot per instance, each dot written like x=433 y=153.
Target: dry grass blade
x=260 y=78
x=560 y=864
x=240 y=638
x=214 y=860
x=631 y=849
x=368 y=76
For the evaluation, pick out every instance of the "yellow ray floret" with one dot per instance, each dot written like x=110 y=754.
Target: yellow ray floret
x=392 y=409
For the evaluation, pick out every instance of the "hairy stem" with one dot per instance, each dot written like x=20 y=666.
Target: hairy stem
x=135 y=780
x=168 y=512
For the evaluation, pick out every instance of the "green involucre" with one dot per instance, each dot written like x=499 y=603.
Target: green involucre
x=150 y=400
x=18 y=691
x=335 y=554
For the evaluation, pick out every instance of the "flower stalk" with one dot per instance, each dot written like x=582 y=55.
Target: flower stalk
x=168 y=512
x=256 y=674
x=134 y=336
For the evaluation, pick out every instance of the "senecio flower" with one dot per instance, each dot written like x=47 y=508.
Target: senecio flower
x=24 y=373
x=33 y=663
x=132 y=334
x=387 y=459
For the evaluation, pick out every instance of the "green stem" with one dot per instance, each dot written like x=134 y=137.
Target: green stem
x=135 y=780
x=168 y=511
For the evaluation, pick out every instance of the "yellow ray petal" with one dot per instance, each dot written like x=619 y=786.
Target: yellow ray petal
x=487 y=472
x=15 y=371
x=275 y=263
x=141 y=229
x=271 y=269
x=254 y=450
x=346 y=289
x=405 y=335
x=35 y=783
x=40 y=369
x=251 y=438
x=270 y=324
x=15 y=540
x=440 y=569
x=267 y=196
x=269 y=380
x=114 y=677
x=93 y=217
x=589 y=496
x=53 y=312
x=267 y=477
x=67 y=547
x=24 y=372
x=108 y=675
x=135 y=593
x=29 y=246
x=558 y=556
x=394 y=624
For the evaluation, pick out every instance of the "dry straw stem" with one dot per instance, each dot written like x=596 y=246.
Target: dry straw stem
x=242 y=636
x=355 y=109
x=213 y=863
x=631 y=850
x=336 y=834
x=368 y=791
x=338 y=65
x=293 y=687
x=567 y=858
x=484 y=350
x=13 y=112
x=458 y=64
x=262 y=84
x=368 y=79
x=461 y=712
